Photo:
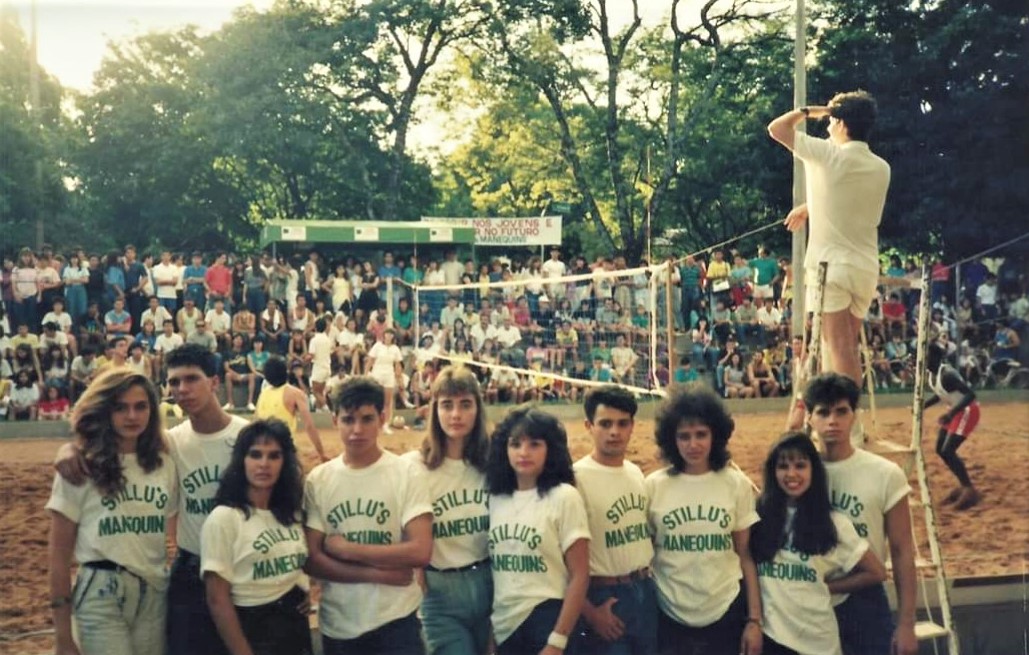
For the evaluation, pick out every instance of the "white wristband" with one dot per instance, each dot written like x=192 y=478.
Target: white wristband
x=557 y=640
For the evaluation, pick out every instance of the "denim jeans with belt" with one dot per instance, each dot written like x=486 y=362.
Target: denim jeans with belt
x=400 y=637
x=531 y=636
x=118 y=613
x=866 y=622
x=456 y=610
x=636 y=606
x=191 y=630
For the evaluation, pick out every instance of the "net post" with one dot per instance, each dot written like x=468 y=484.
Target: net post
x=389 y=302
x=669 y=322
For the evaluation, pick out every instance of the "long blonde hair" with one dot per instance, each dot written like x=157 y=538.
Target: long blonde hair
x=456 y=380
x=91 y=425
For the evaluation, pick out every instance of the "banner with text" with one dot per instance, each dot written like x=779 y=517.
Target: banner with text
x=532 y=231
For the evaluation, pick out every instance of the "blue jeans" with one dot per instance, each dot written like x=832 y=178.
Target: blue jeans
x=256 y=301
x=531 y=636
x=866 y=623
x=720 y=638
x=277 y=628
x=75 y=301
x=637 y=608
x=117 y=612
x=191 y=630
x=400 y=637
x=171 y=304
x=456 y=610
x=25 y=312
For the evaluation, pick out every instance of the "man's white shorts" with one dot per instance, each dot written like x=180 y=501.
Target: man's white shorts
x=846 y=287
x=320 y=374
x=762 y=291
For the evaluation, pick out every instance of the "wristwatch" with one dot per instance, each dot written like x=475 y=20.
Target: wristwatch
x=806 y=111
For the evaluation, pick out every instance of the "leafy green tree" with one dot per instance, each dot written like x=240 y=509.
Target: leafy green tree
x=31 y=142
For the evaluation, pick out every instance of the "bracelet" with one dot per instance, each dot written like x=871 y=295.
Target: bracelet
x=557 y=640
x=60 y=601
x=754 y=620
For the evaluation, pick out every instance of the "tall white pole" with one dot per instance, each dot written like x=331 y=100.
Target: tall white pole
x=37 y=117
x=800 y=236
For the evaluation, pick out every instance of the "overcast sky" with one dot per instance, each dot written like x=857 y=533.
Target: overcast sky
x=73 y=34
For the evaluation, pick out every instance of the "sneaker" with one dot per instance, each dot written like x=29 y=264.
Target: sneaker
x=250 y=407
x=969 y=497
x=228 y=407
x=953 y=496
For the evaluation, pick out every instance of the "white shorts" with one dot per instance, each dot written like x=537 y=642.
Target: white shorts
x=320 y=374
x=762 y=291
x=386 y=379
x=846 y=287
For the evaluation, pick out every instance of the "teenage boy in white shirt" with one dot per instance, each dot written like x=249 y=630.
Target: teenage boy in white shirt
x=621 y=607
x=368 y=526
x=872 y=492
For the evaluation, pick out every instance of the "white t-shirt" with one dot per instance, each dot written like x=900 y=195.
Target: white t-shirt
x=218 y=323
x=987 y=294
x=320 y=350
x=165 y=343
x=166 y=273
x=128 y=528
x=385 y=358
x=864 y=487
x=200 y=460
x=795 y=599
x=846 y=193
x=693 y=518
x=158 y=317
x=528 y=538
x=460 y=511
x=369 y=505
x=348 y=339
x=261 y=558
x=63 y=320
x=616 y=506
x=554 y=268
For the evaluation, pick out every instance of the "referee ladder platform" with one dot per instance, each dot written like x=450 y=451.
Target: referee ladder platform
x=911 y=456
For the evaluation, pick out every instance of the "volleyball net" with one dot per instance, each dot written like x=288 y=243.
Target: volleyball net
x=550 y=338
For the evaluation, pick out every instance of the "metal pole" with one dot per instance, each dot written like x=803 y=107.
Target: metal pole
x=37 y=116
x=800 y=236
x=669 y=321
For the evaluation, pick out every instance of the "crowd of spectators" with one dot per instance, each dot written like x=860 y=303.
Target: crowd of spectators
x=66 y=316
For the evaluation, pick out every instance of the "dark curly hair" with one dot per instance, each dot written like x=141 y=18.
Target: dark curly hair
x=813 y=530
x=91 y=424
x=529 y=422
x=693 y=403
x=287 y=495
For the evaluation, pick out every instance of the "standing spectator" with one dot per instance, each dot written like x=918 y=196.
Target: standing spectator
x=255 y=286
x=166 y=278
x=554 y=267
x=940 y=277
x=390 y=271
x=385 y=365
x=194 y=278
x=691 y=277
x=6 y=288
x=48 y=279
x=312 y=277
x=96 y=287
x=137 y=279
x=25 y=292
x=766 y=275
x=218 y=281
x=340 y=293
x=114 y=281
x=718 y=278
x=986 y=295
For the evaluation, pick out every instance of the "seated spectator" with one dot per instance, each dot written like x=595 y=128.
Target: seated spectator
x=721 y=317
x=965 y=317
x=735 y=378
x=64 y=324
x=53 y=337
x=505 y=386
x=55 y=406
x=156 y=313
x=139 y=361
x=900 y=359
x=601 y=370
x=745 y=322
x=24 y=337
x=770 y=320
x=118 y=321
x=565 y=346
x=237 y=371
x=5 y=394
x=55 y=367
x=24 y=397
x=83 y=370
x=256 y=359
x=403 y=318
x=895 y=316
x=761 y=377
x=219 y=324
x=91 y=326
x=27 y=359
x=685 y=373
x=703 y=348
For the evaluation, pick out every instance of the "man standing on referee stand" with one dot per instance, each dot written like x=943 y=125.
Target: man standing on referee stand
x=846 y=193
x=201 y=447
x=621 y=604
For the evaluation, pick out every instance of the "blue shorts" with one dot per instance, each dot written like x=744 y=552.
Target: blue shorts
x=866 y=622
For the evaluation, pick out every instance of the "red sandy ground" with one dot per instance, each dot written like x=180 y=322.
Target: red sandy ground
x=988 y=540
